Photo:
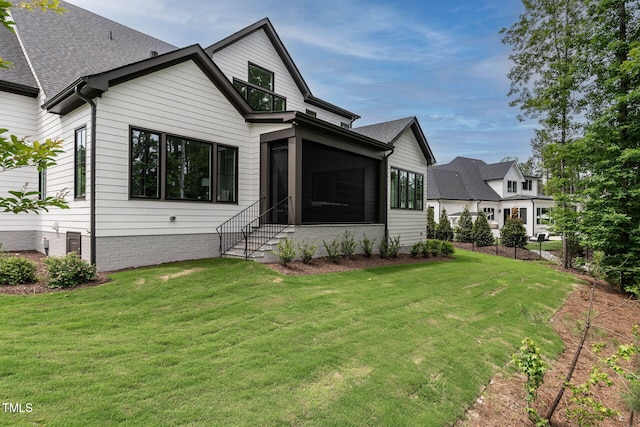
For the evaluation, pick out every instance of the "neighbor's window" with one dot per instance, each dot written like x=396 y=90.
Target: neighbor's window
x=490 y=213
x=145 y=167
x=227 y=174
x=80 y=163
x=527 y=185
x=188 y=169
x=512 y=186
x=406 y=189
x=542 y=216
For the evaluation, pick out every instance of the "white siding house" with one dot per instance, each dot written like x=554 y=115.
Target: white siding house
x=164 y=146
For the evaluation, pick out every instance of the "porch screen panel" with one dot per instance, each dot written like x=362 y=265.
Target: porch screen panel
x=338 y=186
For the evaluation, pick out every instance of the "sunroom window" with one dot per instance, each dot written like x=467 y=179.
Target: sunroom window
x=259 y=90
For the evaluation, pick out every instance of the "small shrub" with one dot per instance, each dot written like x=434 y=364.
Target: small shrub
x=447 y=249
x=431 y=223
x=384 y=248
x=443 y=229
x=426 y=251
x=394 y=246
x=16 y=270
x=307 y=250
x=434 y=247
x=285 y=251
x=464 y=232
x=68 y=271
x=333 y=249
x=513 y=233
x=367 y=245
x=416 y=249
x=348 y=244
x=482 y=234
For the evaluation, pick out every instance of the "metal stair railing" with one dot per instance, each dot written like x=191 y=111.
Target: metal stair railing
x=254 y=228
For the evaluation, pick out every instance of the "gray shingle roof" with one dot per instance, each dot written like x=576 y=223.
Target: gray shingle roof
x=63 y=48
x=10 y=50
x=469 y=185
x=387 y=131
x=495 y=170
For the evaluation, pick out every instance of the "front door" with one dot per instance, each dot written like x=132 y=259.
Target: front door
x=278 y=181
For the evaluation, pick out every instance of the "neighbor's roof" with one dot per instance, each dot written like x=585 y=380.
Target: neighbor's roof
x=390 y=131
x=496 y=170
x=470 y=177
x=62 y=48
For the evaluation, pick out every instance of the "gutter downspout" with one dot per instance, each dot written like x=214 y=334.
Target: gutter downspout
x=92 y=210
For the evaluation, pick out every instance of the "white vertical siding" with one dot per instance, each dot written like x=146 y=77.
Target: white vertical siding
x=257 y=48
x=409 y=224
x=182 y=101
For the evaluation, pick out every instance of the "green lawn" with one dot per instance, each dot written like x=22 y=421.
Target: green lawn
x=224 y=343
x=547 y=245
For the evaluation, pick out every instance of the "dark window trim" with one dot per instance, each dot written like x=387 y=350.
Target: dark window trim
x=76 y=194
x=399 y=202
x=311 y=113
x=162 y=167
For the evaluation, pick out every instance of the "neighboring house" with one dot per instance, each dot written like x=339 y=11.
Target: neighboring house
x=173 y=153
x=500 y=190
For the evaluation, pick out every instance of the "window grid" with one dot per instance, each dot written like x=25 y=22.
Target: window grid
x=80 y=163
x=406 y=189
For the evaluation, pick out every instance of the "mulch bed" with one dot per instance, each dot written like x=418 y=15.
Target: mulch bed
x=523 y=254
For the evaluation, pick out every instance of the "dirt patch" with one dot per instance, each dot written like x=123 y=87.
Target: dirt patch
x=40 y=286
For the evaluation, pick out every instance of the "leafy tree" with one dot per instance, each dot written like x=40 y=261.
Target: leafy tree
x=610 y=214
x=465 y=227
x=547 y=82
x=443 y=230
x=18 y=152
x=431 y=223
x=513 y=233
x=482 y=234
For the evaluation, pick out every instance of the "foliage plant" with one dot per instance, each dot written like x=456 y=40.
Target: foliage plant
x=367 y=245
x=528 y=360
x=15 y=270
x=384 y=248
x=394 y=246
x=348 y=244
x=586 y=410
x=431 y=223
x=513 y=234
x=482 y=235
x=68 y=271
x=434 y=247
x=333 y=249
x=465 y=227
x=443 y=230
x=285 y=251
x=447 y=249
x=426 y=249
x=416 y=249
x=307 y=250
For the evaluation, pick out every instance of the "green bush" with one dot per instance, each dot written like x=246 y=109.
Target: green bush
x=16 y=270
x=307 y=250
x=513 y=234
x=384 y=248
x=434 y=247
x=333 y=249
x=431 y=223
x=367 y=245
x=416 y=249
x=394 y=246
x=285 y=251
x=447 y=249
x=464 y=232
x=482 y=234
x=425 y=248
x=348 y=244
x=443 y=229
x=68 y=271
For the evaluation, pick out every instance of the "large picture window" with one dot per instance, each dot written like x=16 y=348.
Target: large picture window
x=80 y=163
x=170 y=167
x=406 y=189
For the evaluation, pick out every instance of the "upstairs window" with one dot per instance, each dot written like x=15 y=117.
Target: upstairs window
x=527 y=185
x=258 y=91
x=260 y=77
x=311 y=113
x=512 y=186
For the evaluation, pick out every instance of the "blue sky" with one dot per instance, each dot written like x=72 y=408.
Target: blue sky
x=441 y=61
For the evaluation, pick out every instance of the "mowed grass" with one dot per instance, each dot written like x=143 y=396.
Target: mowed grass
x=232 y=343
